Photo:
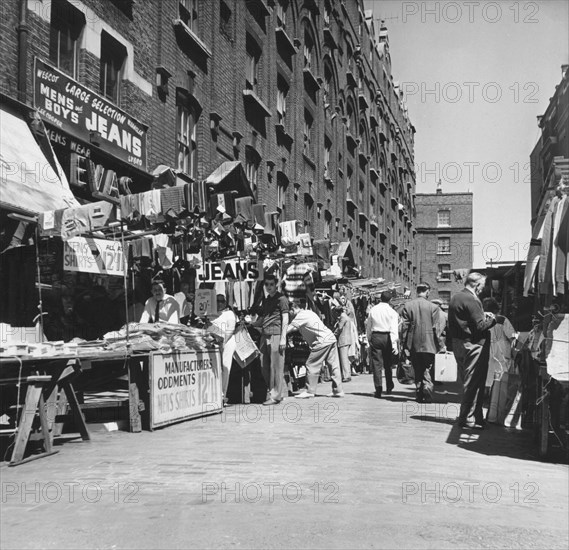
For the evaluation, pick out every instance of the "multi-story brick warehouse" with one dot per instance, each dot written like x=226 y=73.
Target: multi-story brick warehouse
x=444 y=240
x=300 y=91
x=549 y=160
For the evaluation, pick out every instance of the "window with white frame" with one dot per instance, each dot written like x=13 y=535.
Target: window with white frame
x=281 y=8
x=327 y=156
x=307 y=133
x=443 y=218
x=349 y=174
x=113 y=55
x=326 y=85
x=327 y=10
x=308 y=204
x=225 y=20
x=282 y=92
x=252 y=167
x=443 y=245
x=189 y=13
x=327 y=224
x=444 y=272
x=252 y=63
x=186 y=139
x=65 y=30
x=350 y=57
x=350 y=117
x=308 y=50
x=281 y=196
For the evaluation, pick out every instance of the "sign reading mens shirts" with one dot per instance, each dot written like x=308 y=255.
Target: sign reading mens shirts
x=93 y=256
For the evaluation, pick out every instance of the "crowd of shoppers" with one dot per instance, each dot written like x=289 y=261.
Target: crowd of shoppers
x=480 y=339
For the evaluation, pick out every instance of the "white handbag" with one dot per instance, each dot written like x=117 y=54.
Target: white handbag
x=445 y=367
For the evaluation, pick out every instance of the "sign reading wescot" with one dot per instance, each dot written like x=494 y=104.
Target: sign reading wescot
x=230 y=270
x=77 y=110
x=93 y=256
x=184 y=385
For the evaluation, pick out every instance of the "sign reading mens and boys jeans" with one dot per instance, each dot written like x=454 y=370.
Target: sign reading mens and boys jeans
x=71 y=107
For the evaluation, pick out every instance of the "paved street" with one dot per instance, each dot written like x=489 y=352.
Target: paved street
x=325 y=473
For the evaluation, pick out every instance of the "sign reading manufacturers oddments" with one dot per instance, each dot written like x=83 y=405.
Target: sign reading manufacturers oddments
x=93 y=256
x=184 y=385
x=77 y=110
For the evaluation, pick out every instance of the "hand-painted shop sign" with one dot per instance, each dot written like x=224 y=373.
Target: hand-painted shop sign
x=93 y=256
x=184 y=385
x=230 y=270
x=67 y=142
x=72 y=108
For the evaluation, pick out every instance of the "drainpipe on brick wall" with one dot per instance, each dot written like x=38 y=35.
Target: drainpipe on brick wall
x=23 y=32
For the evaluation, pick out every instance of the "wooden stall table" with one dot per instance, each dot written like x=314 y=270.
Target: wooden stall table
x=48 y=383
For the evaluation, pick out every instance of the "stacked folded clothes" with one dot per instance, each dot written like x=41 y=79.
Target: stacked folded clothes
x=165 y=337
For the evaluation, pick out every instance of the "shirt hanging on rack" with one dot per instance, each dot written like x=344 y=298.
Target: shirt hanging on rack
x=288 y=233
x=50 y=223
x=165 y=254
x=172 y=202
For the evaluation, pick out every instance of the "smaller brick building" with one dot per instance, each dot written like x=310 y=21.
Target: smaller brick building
x=444 y=240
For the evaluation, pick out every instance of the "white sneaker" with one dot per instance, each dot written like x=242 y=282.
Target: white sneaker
x=336 y=394
x=304 y=395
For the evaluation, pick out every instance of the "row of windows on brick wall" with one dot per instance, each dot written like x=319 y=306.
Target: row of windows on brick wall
x=67 y=24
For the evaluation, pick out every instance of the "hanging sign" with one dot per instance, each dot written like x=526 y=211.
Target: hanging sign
x=93 y=256
x=184 y=385
x=205 y=303
x=230 y=270
x=69 y=106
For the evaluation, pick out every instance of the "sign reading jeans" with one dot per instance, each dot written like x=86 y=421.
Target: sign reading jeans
x=81 y=113
x=184 y=385
x=232 y=270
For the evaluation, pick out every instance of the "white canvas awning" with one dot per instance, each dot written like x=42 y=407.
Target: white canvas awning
x=29 y=180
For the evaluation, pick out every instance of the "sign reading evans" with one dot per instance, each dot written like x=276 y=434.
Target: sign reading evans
x=77 y=110
x=230 y=270
x=93 y=256
x=184 y=385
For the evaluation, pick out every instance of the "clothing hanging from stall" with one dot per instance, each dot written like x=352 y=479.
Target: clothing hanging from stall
x=544 y=274
x=561 y=243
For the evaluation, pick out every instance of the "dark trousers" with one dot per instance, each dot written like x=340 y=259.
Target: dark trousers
x=423 y=365
x=472 y=363
x=381 y=352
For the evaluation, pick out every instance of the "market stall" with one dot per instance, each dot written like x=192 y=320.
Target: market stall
x=546 y=279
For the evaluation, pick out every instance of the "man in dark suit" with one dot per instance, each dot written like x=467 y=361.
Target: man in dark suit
x=469 y=328
x=420 y=335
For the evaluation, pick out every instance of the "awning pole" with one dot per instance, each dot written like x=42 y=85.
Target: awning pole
x=40 y=301
x=125 y=284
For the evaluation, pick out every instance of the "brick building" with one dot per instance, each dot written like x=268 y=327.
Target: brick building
x=444 y=240
x=549 y=159
x=299 y=91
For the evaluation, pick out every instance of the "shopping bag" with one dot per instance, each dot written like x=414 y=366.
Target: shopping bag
x=245 y=349
x=405 y=372
x=445 y=367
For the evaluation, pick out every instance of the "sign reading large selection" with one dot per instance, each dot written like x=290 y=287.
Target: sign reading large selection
x=233 y=270
x=184 y=385
x=93 y=256
x=78 y=111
